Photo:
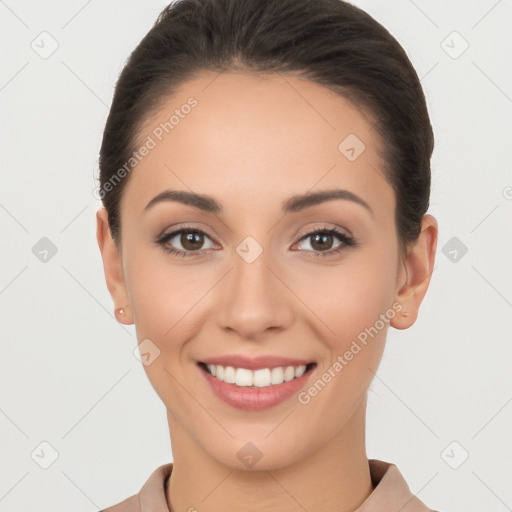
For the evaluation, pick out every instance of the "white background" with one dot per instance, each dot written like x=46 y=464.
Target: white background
x=68 y=375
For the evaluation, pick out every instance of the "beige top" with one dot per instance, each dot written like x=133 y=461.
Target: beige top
x=391 y=492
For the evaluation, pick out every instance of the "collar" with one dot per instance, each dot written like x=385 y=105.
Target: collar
x=391 y=492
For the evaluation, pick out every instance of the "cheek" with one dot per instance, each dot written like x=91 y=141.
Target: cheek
x=355 y=305
x=169 y=306
x=163 y=296
x=349 y=297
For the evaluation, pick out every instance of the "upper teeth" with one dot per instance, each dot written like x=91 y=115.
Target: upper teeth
x=258 y=378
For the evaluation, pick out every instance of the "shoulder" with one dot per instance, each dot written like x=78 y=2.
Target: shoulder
x=150 y=497
x=130 y=504
x=391 y=491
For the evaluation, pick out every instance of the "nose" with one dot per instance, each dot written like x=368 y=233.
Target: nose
x=254 y=299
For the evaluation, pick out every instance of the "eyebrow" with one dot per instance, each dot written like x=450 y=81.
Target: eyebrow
x=293 y=204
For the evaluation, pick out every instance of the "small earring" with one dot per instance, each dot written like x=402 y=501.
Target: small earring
x=120 y=311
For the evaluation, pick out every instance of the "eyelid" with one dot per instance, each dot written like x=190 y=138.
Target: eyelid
x=326 y=226
x=174 y=230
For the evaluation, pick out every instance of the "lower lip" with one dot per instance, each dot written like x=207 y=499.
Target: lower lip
x=253 y=398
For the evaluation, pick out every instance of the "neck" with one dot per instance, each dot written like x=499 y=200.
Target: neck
x=335 y=477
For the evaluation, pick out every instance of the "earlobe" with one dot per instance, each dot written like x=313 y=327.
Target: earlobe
x=112 y=267
x=418 y=266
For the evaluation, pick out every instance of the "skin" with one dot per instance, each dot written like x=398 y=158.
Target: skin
x=251 y=143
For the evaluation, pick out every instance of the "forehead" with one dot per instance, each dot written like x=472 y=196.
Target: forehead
x=278 y=134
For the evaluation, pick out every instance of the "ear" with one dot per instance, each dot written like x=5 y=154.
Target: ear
x=113 y=267
x=416 y=271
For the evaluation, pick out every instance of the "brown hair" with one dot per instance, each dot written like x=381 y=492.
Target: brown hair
x=330 y=42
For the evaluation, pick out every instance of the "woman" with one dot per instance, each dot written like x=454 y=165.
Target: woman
x=265 y=176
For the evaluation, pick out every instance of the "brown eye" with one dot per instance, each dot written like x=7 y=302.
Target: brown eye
x=185 y=242
x=191 y=241
x=322 y=242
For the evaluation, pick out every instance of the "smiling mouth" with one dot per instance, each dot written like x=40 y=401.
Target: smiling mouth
x=261 y=378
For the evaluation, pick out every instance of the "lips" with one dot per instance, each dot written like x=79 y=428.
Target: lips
x=287 y=377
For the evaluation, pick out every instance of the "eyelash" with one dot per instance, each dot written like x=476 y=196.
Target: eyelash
x=346 y=240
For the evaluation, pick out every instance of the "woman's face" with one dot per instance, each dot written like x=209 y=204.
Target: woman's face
x=255 y=280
